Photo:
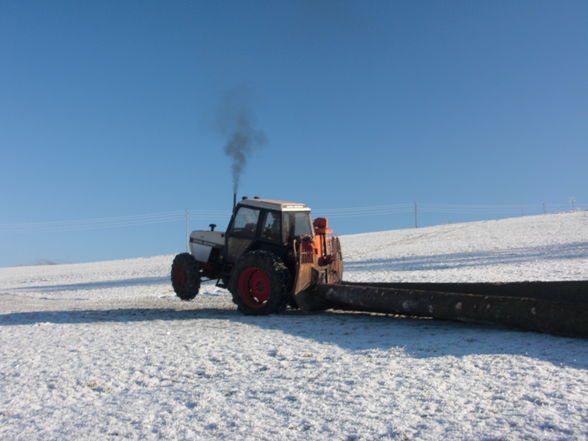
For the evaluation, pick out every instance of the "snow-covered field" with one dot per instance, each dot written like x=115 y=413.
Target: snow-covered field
x=106 y=351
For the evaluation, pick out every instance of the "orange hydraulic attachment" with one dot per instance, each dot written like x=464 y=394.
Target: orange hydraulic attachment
x=319 y=257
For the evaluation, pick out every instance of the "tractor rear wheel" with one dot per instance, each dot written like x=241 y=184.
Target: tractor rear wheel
x=185 y=276
x=259 y=283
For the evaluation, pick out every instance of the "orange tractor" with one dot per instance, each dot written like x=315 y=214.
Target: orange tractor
x=271 y=253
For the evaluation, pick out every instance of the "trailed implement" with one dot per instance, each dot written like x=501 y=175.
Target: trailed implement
x=274 y=256
x=553 y=307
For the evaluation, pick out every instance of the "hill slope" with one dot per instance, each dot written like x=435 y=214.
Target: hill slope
x=106 y=351
x=548 y=247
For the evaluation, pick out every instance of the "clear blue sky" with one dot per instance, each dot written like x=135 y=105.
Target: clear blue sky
x=110 y=109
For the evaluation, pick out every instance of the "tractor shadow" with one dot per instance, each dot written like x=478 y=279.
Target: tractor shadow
x=356 y=332
x=103 y=284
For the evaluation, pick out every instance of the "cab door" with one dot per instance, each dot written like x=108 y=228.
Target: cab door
x=242 y=232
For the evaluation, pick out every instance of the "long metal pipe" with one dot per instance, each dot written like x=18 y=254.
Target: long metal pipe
x=559 y=308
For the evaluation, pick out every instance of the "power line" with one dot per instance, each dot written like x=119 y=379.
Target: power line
x=93 y=223
x=177 y=216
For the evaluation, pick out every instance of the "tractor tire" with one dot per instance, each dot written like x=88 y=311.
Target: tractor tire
x=259 y=284
x=185 y=276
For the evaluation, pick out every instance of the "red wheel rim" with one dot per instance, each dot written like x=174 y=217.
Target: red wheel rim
x=179 y=275
x=254 y=287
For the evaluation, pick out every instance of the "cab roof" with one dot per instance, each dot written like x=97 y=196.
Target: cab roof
x=271 y=204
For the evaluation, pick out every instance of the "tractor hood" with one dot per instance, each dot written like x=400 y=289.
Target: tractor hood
x=208 y=238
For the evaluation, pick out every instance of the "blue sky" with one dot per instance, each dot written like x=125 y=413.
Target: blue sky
x=109 y=109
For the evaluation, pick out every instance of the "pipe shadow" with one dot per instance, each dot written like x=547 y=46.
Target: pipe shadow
x=353 y=331
x=574 y=250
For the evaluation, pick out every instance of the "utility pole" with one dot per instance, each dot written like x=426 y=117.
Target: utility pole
x=573 y=202
x=416 y=216
x=187 y=225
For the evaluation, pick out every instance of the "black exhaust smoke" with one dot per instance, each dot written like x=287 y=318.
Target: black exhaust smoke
x=236 y=124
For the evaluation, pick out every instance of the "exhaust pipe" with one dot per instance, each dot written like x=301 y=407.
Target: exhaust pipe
x=234 y=200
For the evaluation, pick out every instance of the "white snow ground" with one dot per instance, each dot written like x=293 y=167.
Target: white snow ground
x=106 y=351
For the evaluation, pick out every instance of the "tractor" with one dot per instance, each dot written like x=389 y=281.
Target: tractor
x=271 y=254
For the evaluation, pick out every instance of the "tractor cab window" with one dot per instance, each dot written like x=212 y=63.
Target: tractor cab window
x=245 y=223
x=296 y=224
x=271 y=227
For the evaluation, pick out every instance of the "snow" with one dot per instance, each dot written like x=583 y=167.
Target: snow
x=106 y=351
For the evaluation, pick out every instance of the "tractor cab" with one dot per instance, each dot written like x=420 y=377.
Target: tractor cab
x=264 y=224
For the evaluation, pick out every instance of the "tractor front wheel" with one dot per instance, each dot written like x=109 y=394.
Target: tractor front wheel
x=185 y=276
x=259 y=284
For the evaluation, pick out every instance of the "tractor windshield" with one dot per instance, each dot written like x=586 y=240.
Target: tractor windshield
x=296 y=223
